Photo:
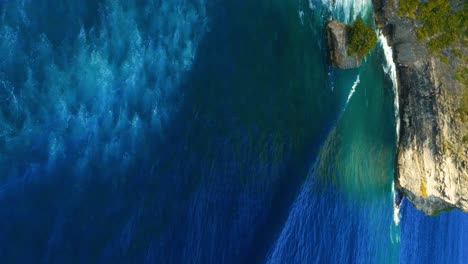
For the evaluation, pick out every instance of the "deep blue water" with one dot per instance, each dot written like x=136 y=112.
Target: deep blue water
x=199 y=131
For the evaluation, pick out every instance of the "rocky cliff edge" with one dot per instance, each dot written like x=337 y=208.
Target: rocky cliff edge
x=432 y=160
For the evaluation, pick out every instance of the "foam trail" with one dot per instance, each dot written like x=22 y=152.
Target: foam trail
x=390 y=69
x=353 y=89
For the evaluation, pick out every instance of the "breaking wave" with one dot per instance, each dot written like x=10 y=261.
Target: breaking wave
x=390 y=69
x=348 y=10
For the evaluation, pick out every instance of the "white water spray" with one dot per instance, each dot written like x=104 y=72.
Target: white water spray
x=390 y=69
x=348 y=10
x=396 y=208
x=353 y=89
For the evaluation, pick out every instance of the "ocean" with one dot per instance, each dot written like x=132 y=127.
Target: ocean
x=201 y=131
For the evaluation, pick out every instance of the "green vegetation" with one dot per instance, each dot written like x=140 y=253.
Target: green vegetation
x=445 y=210
x=408 y=7
x=441 y=26
x=362 y=38
x=457 y=53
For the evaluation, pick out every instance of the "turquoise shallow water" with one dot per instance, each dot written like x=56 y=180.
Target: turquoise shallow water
x=199 y=132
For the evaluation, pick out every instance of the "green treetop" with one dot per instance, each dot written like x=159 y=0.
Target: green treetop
x=361 y=39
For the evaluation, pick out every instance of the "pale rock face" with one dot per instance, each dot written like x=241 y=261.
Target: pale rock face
x=432 y=161
x=431 y=185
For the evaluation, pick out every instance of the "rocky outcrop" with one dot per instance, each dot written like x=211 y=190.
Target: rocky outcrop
x=432 y=160
x=337 y=40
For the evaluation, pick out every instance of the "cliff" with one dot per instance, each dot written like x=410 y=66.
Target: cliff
x=432 y=160
x=337 y=42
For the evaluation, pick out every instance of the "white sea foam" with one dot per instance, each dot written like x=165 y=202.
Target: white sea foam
x=349 y=10
x=396 y=208
x=353 y=89
x=100 y=104
x=343 y=10
x=390 y=69
x=311 y=5
x=301 y=16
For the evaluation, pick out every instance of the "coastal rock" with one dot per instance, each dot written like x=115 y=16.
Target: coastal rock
x=432 y=161
x=337 y=39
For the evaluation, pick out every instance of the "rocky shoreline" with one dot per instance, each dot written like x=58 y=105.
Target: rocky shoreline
x=432 y=160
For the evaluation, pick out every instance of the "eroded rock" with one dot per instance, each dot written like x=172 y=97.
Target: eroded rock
x=432 y=160
x=337 y=40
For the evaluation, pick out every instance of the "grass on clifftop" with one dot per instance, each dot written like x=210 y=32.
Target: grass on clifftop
x=362 y=38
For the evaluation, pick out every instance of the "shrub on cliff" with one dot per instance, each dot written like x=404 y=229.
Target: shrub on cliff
x=408 y=7
x=441 y=24
x=361 y=39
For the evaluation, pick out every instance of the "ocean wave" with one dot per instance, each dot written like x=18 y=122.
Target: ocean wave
x=90 y=94
x=348 y=10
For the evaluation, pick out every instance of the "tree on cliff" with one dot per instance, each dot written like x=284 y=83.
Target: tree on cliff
x=362 y=38
x=408 y=7
x=442 y=25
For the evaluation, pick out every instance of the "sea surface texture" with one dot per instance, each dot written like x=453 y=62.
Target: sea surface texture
x=200 y=131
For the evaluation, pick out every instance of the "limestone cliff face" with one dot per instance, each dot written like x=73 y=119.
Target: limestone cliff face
x=432 y=161
x=337 y=40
